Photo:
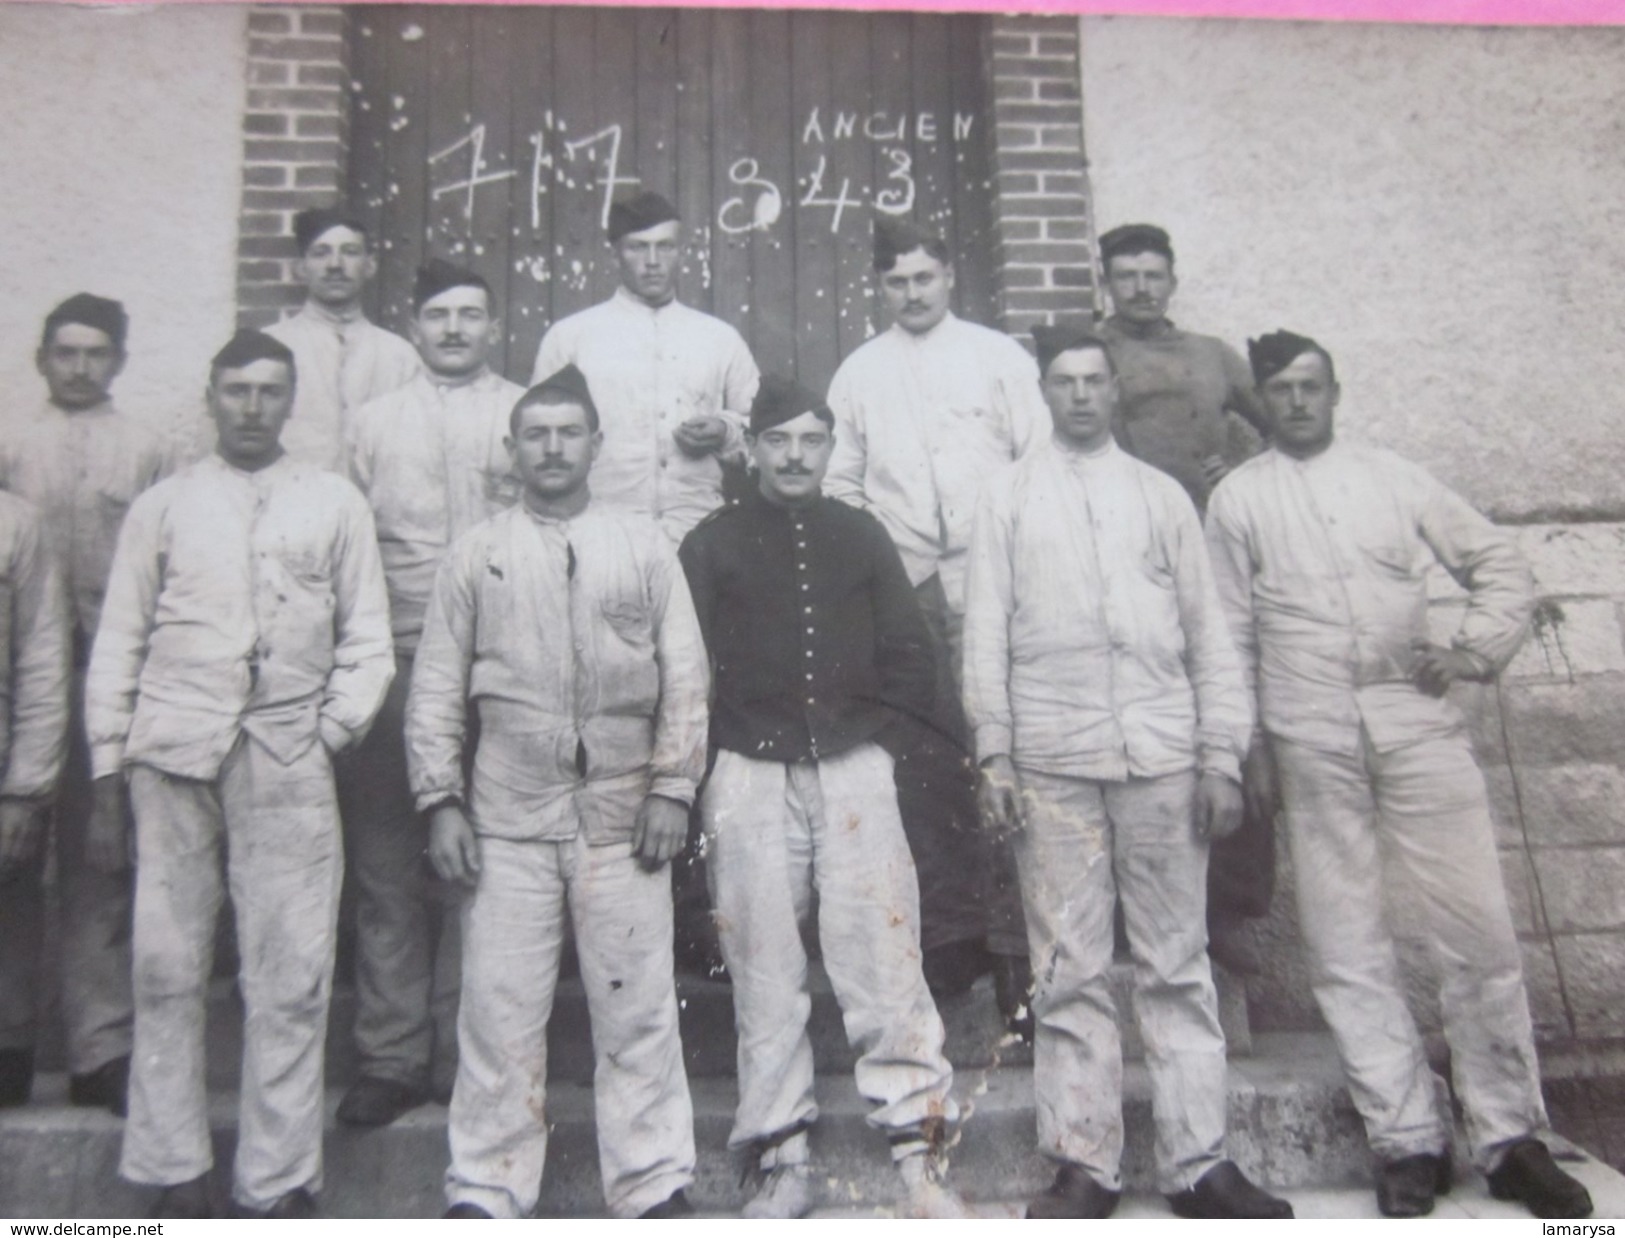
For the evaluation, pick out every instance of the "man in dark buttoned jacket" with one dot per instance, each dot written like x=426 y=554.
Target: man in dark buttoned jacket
x=817 y=643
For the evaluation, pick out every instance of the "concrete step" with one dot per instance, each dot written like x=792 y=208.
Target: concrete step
x=1292 y=1126
x=976 y=1033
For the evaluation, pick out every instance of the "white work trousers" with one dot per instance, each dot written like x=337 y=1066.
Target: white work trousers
x=1421 y=809
x=1085 y=844
x=272 y=832
x=774 y=833
x=513 y=935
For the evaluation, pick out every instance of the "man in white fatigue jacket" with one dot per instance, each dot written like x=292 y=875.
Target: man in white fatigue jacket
x=431 y=459
x=565 y=630
x=1110 y=723
x=818 y=647
x=34 y=685
x=344 y=359
x=924 y=413
x=1321 y=549
x=672 y=384
x=80 y=460
x=243 y=644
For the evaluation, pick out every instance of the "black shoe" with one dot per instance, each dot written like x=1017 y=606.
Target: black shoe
x=1232 y=944
x=673 y=1206
x=16 y=1077
x=296 y=1205
x=950 y=969
x=465 y=1211
x=1529 y=1175
x=1013 y=991
x=1406 y=1186
x=1073 y=1196
x=1223 y=1193
x=108 y=1086
x=185 y=1201
x=377 y=1102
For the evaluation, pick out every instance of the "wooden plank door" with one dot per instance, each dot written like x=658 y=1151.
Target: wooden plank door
x=497 y=137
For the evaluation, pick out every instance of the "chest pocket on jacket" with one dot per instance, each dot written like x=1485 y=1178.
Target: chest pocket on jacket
x=630 y=619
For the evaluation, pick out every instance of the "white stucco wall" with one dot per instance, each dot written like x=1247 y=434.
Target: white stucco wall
x=1444 y=208
x=120 y=175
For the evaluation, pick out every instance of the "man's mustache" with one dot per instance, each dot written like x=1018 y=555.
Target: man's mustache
x=794 y=470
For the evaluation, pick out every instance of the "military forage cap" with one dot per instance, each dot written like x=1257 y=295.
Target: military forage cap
x=1135 y=239
x=570 y=383
x=249 y=346
x=781 y=399
x=635 y=214
x=895 y=237
x=1272 y=353
x=309 y=224
x=1053 y=341
x=89 y=310
x=437 y=275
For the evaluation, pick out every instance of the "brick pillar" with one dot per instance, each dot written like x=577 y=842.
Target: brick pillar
x=1042 y=223
x=294 y=145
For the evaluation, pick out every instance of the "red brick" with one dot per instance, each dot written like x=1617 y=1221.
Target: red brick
x=265 y=175
x=321 y=24
x=1014 y=44
x=1015 y=137
x=317 y=176
x=265 y=124
x=1058 y=45
x=1035 y=66
x=1064 y=182
x=1033 y=23
x=1022 y=230
x=1073 y=277
x=1038 y=161
x=262 y=22
x=270 y=296
x=1062 y=137
x=1019 y=182
x=265 y=247
x=270 y=151
x=1066 y=230
x=1024 y=277
x=1065 y=252
x=268 y=73
x=260 y=272
x=1035 y=113
x=322 y=75
x=1019 y=89
x=1042 y=206
x=319 y=51
x=311 y=100
x=319 y=126
x=262 y=223
x=284 y=199
x=1049 y=299
x=1057 y=90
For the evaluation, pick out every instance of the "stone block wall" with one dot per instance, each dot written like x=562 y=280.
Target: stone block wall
x=1550 y=737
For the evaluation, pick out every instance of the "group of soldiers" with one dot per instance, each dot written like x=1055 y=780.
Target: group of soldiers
x=948 y=647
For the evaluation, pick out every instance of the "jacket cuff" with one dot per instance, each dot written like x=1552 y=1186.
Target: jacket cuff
x=1221 y=761
x=1485 y=668
x=106 y=758
x=433 y=797
x=673 y=787
x=992 y=740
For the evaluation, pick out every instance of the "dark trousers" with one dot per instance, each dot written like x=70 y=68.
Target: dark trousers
x=969 y=890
